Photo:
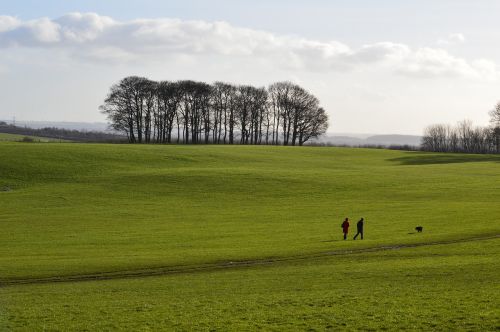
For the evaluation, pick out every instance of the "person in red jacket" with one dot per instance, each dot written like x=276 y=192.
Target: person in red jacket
x=345 y=227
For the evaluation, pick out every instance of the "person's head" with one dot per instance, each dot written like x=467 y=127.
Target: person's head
x=362 y=219
x=346 y=219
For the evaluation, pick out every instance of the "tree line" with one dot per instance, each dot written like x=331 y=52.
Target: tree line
x=192 y=112
x=464 y=137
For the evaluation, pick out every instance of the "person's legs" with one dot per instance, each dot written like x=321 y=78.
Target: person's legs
x=345 y=236
x=355 y=236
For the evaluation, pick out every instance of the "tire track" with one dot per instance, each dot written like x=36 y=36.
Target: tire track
x=184 y=269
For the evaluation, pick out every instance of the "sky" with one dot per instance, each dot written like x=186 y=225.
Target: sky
x=381 y=67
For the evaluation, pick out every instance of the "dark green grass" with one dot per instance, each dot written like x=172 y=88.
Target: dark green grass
x=73 y=209
x=437 y=288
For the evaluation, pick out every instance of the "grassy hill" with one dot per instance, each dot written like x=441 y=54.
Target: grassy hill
x=120 y=211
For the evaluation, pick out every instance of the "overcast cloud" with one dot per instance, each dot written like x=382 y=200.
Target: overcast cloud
x=96 y=37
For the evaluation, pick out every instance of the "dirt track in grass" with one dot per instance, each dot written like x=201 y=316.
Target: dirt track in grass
x=183 y=269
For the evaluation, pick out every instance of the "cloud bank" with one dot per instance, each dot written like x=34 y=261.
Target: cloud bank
x=94 y=37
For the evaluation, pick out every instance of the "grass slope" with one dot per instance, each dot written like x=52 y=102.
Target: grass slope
x=70 y=209
x=87 y=208
x=438 y=288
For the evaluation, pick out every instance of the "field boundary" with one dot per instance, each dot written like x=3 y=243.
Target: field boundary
x=209 y=267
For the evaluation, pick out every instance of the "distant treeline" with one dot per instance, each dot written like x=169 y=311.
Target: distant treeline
x=400 y=147
x=65 y=134
x=464 y=137
x=193 y=112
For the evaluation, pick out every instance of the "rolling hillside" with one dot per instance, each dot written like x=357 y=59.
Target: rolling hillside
x=244 y=237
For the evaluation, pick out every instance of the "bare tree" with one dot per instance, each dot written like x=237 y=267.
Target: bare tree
x=186 y=107
x=297 y=112
x=465 y=131
x=243 y=109
x=124 y=107
x=168 y=98
x=462 y=138
x=276 y=91
x=223 y=97
x=495 y=130
x=495 y=115
x=149 y=99
x=314 y=124
x=435 y=138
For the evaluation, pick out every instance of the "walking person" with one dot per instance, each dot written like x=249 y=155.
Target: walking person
x=359 y=225
x=345 y=227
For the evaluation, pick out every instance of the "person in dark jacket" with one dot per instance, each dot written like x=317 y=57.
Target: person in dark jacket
x=345 y=227
x=359 y=225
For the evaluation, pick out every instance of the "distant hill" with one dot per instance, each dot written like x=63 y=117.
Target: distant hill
x=80 y=126
x=60 y=133
x=358 y=139
x=395 y=140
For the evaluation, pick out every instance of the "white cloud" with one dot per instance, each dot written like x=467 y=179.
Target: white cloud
x=40 y=32
x=429 y=62
x=95 y=37
x=79 y=27
x=452 y=39
x=8 y=23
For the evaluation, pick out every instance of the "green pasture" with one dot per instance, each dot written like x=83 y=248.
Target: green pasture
x=72 y=209
x=439 y=288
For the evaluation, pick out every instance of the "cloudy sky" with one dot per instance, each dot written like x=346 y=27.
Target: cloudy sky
x=386 y=66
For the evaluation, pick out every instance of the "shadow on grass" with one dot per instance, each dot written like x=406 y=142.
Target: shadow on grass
x=429 y=158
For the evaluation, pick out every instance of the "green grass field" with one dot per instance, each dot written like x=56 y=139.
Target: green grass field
x=73 y=210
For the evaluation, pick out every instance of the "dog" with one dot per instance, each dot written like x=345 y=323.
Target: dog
x=419 y=229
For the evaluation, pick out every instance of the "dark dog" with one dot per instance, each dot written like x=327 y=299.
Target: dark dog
x=419 y=229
